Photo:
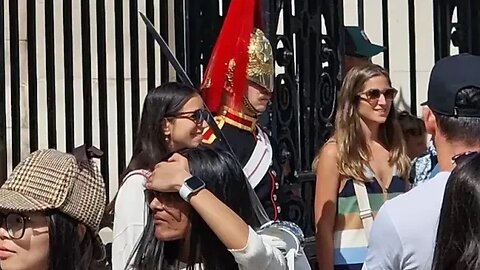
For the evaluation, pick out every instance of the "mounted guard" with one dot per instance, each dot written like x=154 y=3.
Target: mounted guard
x=237 y=88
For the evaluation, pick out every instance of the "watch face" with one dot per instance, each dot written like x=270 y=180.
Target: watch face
x=195 y=183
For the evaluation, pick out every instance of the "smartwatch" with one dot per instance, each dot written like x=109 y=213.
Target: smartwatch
x=190 y=187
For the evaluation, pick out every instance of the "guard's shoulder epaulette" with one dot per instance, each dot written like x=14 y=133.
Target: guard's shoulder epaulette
x=208 y=134
x=239 y=120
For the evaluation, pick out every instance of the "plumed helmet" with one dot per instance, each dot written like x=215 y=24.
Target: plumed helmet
x=241 y=53
x=260 y=60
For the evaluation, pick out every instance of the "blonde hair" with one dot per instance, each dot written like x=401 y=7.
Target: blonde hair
x=353 y=151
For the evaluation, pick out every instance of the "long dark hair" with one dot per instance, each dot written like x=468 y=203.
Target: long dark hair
x=226 y=180
x=150 y=145
x=68 y=250
x=458 y=234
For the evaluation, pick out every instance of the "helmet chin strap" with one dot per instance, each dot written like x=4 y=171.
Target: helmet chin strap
x=248 y=108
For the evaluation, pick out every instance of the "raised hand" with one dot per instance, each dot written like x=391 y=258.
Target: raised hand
x=168 y=176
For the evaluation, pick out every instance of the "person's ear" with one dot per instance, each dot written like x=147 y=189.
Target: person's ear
x=82 y=230
x=166 y=126
x=430 y=121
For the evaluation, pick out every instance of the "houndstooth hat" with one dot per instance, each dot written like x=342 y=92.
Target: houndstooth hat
x=49 y=179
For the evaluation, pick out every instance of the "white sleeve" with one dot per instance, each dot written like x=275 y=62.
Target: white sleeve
x=258 y=255
x=385 y=249
x=130 y=218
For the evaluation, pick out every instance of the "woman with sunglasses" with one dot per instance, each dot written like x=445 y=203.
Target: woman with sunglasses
x=50 y=212
x=172 y=118
x=201 y=217
x=458 y=243
x=359 y=168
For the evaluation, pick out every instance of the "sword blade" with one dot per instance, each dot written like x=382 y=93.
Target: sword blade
x=166 y=50
x=181 y=72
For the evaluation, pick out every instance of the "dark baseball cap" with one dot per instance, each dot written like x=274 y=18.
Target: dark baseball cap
x=358 y=44
x=450 y=75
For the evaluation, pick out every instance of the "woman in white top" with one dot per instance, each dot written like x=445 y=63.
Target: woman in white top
x=202 y=221
x=172 y=118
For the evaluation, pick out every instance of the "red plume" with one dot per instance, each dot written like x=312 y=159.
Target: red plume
x=221 y=77
x=259 y=21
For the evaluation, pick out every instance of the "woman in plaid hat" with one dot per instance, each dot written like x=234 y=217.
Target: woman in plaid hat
x=50 y=211
x=172 y=118
x=201 y=217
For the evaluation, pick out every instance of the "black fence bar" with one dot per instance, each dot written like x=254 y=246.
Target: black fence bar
x=134 y=68
x=474 y=24
x=464 y=33
x=32 y=76
x=413 y=56
x=15 y=81
x=361 y=16
x=192 y=33
x=442 y=27
x=180 y=32
x=120 y=82
x=68 y=68
x=150 y=13
x=468 y=26
x=102 y=88
x=86 y=72
x=226 y=4
x=50 y=68
x=3 y=105
x=386 y=54
x=303 y=73
x=304 y=62
x=164 y=23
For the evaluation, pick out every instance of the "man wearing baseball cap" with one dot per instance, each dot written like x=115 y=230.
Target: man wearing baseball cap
x=404 y=231
x=50 y=211
x=358 y=48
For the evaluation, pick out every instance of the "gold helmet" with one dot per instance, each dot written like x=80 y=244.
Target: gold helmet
x=260 y=60
x=241 y=54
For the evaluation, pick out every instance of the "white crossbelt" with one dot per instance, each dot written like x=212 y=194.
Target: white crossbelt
x=260 y=160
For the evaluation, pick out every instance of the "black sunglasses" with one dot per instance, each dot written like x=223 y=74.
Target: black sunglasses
x=197 y=116
x=374 y=94
x=460 y=158
x=166 y=196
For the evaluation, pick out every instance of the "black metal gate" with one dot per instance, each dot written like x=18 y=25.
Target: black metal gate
x=463 y=33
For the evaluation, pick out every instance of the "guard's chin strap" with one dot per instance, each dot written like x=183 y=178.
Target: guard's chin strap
x=248 y=108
